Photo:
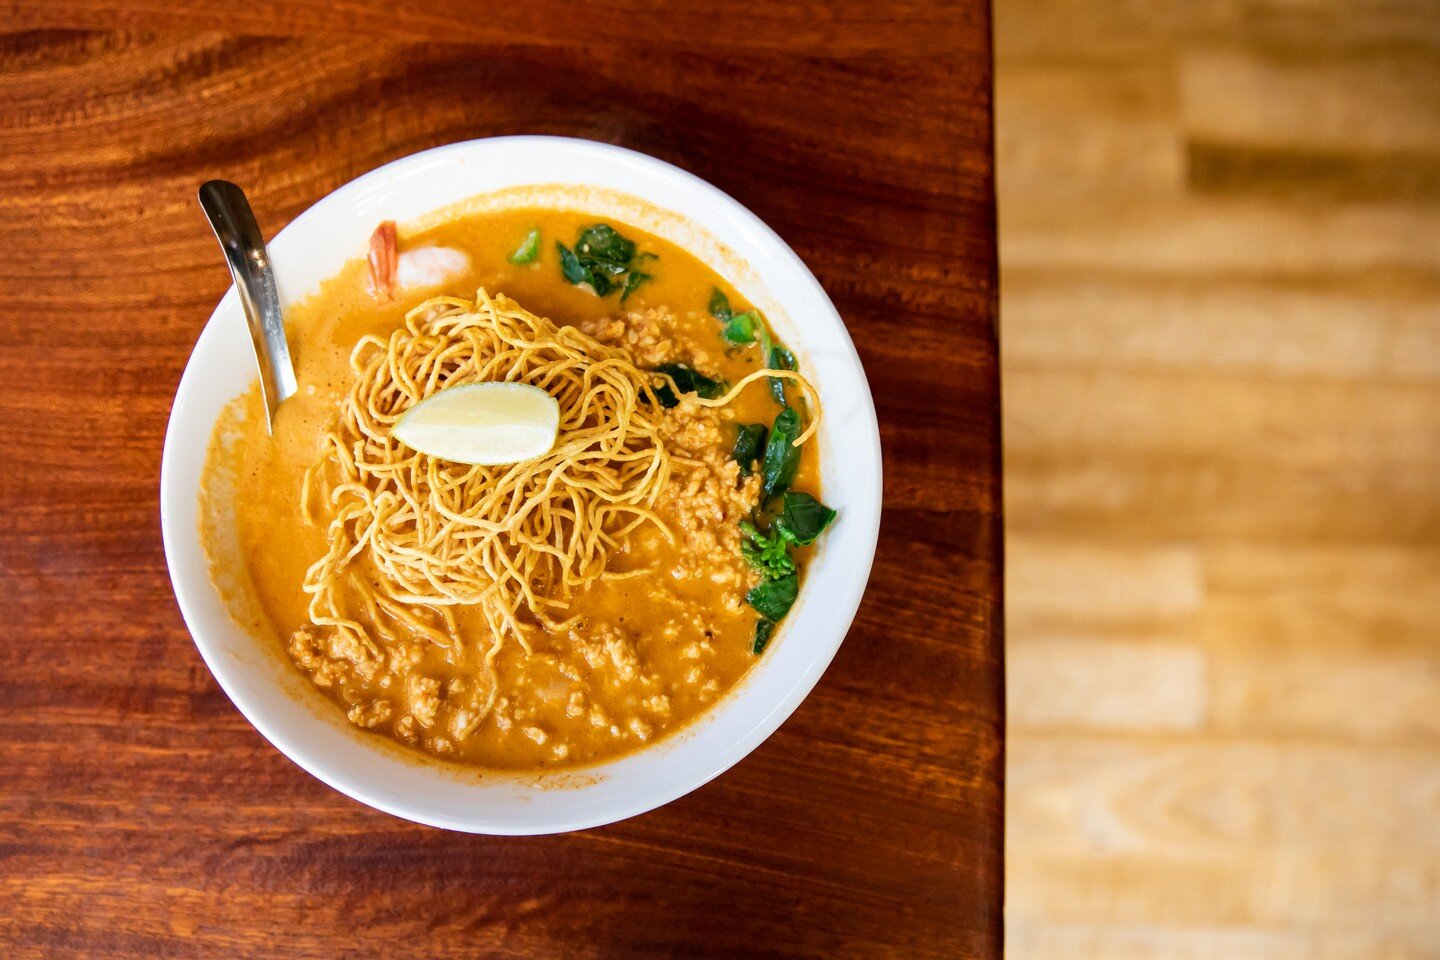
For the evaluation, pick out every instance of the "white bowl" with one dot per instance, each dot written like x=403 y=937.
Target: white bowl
x=606 y=181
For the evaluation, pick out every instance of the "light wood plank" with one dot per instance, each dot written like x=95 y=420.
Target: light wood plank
x=1067 y=683
x=1220 y=319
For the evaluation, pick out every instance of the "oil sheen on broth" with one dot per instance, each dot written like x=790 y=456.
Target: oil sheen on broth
x=652 y=652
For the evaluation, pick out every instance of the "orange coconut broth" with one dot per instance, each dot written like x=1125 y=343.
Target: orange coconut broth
x=651 y=653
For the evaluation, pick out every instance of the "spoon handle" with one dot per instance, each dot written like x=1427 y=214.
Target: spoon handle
x=239 y=235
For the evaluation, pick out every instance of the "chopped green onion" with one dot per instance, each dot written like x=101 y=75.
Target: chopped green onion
x=529 y=248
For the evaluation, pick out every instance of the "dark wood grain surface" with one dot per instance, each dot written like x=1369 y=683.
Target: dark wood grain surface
x=141 y=816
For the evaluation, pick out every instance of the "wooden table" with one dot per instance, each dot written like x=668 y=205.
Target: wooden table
x=141 y=816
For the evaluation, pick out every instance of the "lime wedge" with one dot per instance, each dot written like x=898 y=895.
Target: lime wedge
x=486 y=424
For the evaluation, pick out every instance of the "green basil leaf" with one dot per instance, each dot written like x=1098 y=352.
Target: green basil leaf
x=763 y=629
x=719 y=305
x=803 y=518
x=602 y=258
x=603 y=242
x=782 y=457
x=774 y=598
x=529 y=248
x=778 y=358
x=570 y=267
x=749 y=442
x=689 y=380
x=631 y=282
x=741 y=328
x=595 y=265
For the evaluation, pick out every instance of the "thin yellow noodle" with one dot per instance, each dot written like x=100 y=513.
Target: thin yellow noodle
x=411 y=537
x=812 y=396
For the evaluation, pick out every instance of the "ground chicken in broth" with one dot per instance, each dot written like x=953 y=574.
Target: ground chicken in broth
x=637 y=657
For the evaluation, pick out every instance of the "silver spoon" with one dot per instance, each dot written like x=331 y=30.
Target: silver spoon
x=239 y=235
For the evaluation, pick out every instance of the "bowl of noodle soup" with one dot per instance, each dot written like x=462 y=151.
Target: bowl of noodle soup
x=402 y=554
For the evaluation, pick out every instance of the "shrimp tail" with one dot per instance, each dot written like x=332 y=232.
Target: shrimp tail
x=384 y=256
